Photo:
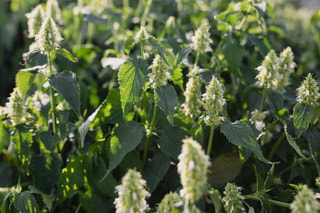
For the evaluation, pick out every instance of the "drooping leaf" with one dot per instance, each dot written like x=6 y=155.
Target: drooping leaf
x=71 y=178
x=127 y=137
x=34 y=70
x=4 y=136
x=170 y=141
x=45 y=169
x=268 y=182
x=240 y=134
x=155 y=43
x=302 y=116
x=23 y=81
x=67 y=54
x=155 y=170
x=67 y=85
x=182 y=54
x=166 y=98
x=292 y=142
x=224 y=169
x=26 y=203
x=132 y=76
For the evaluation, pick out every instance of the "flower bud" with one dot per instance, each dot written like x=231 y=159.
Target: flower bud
x=308 y=92
x=268 y=70
x=131 y=194
x=48 y=37
x=286 y=67
x=305 y=201
x=192 y=167
x=192 y=104
x=142 y=36
x=169 y=203
x=201 y=40
x=35 y=19
x=160 y=74
x=53 y=10
x=214 y=102
x=233 y=200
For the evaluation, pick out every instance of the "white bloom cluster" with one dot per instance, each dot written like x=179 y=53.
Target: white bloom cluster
x=233 y=200
x=192 y=167
x=131 y=193
x=159 y=75
x=142 y=36
x=201 y=40
x=308 y=92
x=53 y=10
x=169 y=203
x=305 y=201
x=35 y=20
x=192 y=104
x=48 y=37
x=214 y=102
x=268 y=70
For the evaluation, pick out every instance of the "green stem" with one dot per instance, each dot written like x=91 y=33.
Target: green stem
x=197 y=59
x=145 y=13
x=314 y=159
x=210 y=141
x=53 y=99
x=273 y=202
x=263 y=99
x=149 y=134
x=275 y=147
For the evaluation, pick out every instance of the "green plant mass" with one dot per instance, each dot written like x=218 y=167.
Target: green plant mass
x=171 y=106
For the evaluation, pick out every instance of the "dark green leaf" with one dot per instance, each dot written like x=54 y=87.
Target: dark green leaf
x=182 y=54
x=66 y=84
x=71 y=178
x=127 y=137
x=155 y=170
x=130 y=161
x=170 y=141
x=97 y=19
x=156 y=44
x=313 y=136
x=240 y=134
x=275 y=100
x=132 y=76
x=268 y=182
x=49 y=140
x=233 y=52
x=22 y=139
x=26 y=203
x=45 y=169
x=302 y=116
x=259 y=181
x=67 y=54
x=23 y=81
x=33 y=70
x=216 y=199
x=95 y=203
x=292 y=142
x=166 y=98
x=4 y=136
x=5 y=204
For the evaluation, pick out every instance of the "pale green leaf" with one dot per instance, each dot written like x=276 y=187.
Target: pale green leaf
x=302 y=116
x=23 y=81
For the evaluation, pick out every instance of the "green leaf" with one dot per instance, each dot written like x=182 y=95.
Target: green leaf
x=275 y=100
x=259 y=181
x=240 y=134
x=26 y=203
x=23 y=81
x=156 y=44
x=71 y=178
x=233 y=52
x=155 y=170
x=170 y=141
x=128 y=44
x=216 y=199
x=182 y=54
x=66 y=84
x=268 y=182
x=5 y=203
x=166 y=98
x=33 y=70
x=67 y=54
x=49 y=140
x=177 y=77
x=22 y=139
x=109 y=111
x=97 y=19
x=302 y=116
x=312 y=136
x=127 y=137
x=292 y=142
x=94 y=203
x=132 y=76
x=4 y=136
x=45 y=169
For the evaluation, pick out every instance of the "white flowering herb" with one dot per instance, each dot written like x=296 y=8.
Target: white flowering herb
x=286 y=67
x=49 y=36
x=214 y=102
x=268 y=70
x=142 y=36
x=35 y=20
x=160 y=73
x=53 y=10
x=192 y=167
x=233 y=200
x=170 y=202
x=308 y=92
x=305 y=201
x=201 y=40
x=193 y=103
x=131 y=194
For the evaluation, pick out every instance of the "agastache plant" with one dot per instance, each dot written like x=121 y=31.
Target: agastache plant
x=192 y=167
x=308 y=92
x=286 y=67
x=169 y=203
x=131 y=194
x=53 y=10
x=305 y=201
x=35 y=20
x=160 y=74
x=233 y=200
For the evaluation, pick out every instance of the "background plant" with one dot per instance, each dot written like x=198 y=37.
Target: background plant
x=135 y=81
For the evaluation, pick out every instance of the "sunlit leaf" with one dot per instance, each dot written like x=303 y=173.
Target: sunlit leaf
x=302 y=116
x=26 y=203
x=23 y=81
x=67 y=54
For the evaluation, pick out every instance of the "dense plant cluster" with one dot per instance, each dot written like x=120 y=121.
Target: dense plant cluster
x=162 y=106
